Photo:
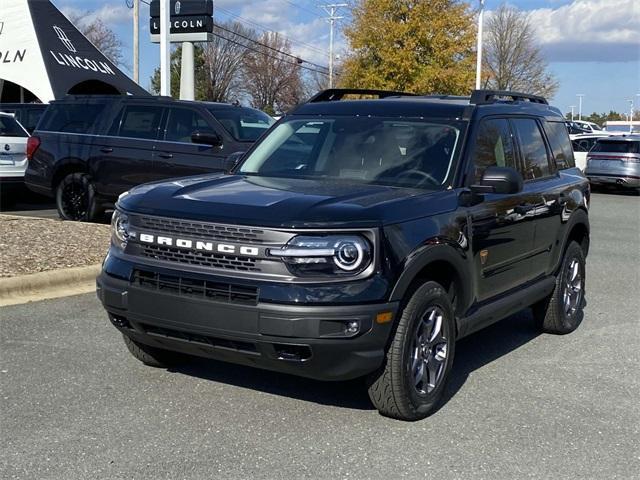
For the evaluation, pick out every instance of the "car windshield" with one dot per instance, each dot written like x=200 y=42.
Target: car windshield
x=244 y=124
x=417 y=153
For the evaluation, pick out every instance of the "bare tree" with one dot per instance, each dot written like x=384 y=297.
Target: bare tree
x=513 y=59
x=224 y=59
x=272 y=75
x=102 y=37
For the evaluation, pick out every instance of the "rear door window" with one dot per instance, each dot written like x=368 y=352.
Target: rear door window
x=72 y=118
x=244 y=124
x=494 y=146
x=560 y=144
x=140 y=121
x=624 y=146
x=9 y=127
x=182 y=123
x=533 y=150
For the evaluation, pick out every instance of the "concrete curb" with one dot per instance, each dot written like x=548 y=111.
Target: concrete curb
x=45 y=285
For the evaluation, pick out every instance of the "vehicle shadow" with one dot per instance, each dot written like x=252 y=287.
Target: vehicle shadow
x=472 y=353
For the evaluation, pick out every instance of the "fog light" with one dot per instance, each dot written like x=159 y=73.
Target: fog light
x=352 y=327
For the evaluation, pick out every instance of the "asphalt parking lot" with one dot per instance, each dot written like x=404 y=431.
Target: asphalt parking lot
x=76 y=405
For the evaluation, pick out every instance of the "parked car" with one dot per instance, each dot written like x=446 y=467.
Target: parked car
x=590 y=127
x=359 y=238
x=13 y=155
x=615 y=161
x=28 y=114
x=582 y=144
x=88 y=150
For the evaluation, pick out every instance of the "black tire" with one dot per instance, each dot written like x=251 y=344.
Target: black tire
x=76 y=198
x=562 y=311
x=151 y=356
x=394 y=390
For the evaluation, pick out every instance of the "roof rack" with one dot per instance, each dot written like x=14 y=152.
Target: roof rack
x=336 y=94
x=483 y=97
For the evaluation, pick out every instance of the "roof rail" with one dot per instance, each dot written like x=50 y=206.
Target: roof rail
x=336 y=94
x=483 y=97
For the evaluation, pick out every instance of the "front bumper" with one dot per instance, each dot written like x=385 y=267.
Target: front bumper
x=302 y=340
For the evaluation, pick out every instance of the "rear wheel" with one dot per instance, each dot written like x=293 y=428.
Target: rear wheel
x=419 y=359
x=562 y=311
x=76 y=198
x=151 y=356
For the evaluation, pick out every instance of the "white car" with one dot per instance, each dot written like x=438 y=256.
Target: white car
x=582 y=144
x=13 y=152
x=589 y=126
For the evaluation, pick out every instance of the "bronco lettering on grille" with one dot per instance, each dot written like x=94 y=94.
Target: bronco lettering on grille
x=200 y=245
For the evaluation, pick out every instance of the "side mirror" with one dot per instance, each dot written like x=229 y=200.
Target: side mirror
x=504 y=180
x=206 y=138
x=232 y=161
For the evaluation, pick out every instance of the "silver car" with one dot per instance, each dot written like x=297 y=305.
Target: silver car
x=615 y=161
x=13 y=153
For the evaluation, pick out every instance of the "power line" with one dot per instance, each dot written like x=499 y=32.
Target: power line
x=295 y=57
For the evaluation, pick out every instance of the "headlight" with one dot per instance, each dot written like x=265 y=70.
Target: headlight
x=120 y=229
x=326 y=255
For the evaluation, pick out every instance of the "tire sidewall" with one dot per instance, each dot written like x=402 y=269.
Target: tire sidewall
x=574 y=251
x=423 y=404
x=85 y=181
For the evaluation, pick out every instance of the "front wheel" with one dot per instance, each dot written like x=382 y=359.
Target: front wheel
x=411 y=383
x=562 y=311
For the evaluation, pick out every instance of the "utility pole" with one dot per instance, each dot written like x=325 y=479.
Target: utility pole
x=332 y=10
x=572 y=107
x=187 y=72
x=479 y=47
x=136 y=41
x=165 y=52
x=580 y=96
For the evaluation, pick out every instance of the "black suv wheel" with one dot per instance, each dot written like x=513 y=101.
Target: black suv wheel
x=76 y=198
x=419 y=358
x=562 y=311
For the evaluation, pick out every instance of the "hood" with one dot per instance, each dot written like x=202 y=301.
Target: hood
x=280 y=202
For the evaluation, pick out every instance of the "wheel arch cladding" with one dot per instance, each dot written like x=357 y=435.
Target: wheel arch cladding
x=579 y=231
x=443 y=264
x=67 y=167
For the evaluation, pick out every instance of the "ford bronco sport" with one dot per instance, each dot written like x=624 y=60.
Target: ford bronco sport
x=359 y=238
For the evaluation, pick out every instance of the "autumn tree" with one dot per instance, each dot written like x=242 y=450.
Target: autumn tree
x=100 y=35
x=512 y=59
x=411 y=45
x=272 y=75
x=224 y=60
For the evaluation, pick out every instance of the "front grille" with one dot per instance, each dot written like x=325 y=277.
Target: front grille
x=192 y=287
x=199 y=258
x=201 y=229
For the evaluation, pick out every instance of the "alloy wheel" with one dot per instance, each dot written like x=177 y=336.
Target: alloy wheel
x=428 y=353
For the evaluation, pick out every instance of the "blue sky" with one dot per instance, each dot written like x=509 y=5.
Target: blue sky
x=593 y=46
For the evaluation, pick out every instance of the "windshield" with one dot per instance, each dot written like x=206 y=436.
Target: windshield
x=387 y=151
x=244 y=124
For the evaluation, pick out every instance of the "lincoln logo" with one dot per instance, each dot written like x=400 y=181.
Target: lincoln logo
x=62 y=35
x=178 y=5
x=200 y=245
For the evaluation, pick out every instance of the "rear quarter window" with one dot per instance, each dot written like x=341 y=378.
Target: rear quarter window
x=72 y=118
x=623 y=146
x=560 y=144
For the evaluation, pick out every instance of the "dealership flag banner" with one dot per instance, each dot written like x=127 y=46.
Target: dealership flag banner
x=41 y=51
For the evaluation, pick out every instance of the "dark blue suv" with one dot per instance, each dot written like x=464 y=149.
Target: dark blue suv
x=359 y=238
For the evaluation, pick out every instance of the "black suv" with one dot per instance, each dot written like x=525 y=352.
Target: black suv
x=87 y=150
x=359 y=238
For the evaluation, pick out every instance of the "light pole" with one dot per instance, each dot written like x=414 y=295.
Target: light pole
x=136 y=41
x=572 y=107
x=479 y=47
x=165 y=54
x=331 y=11
x=580 y=96
x=630 y=115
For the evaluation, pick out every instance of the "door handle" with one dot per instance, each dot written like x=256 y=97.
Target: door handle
x=165 y=155
x=106 y=150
